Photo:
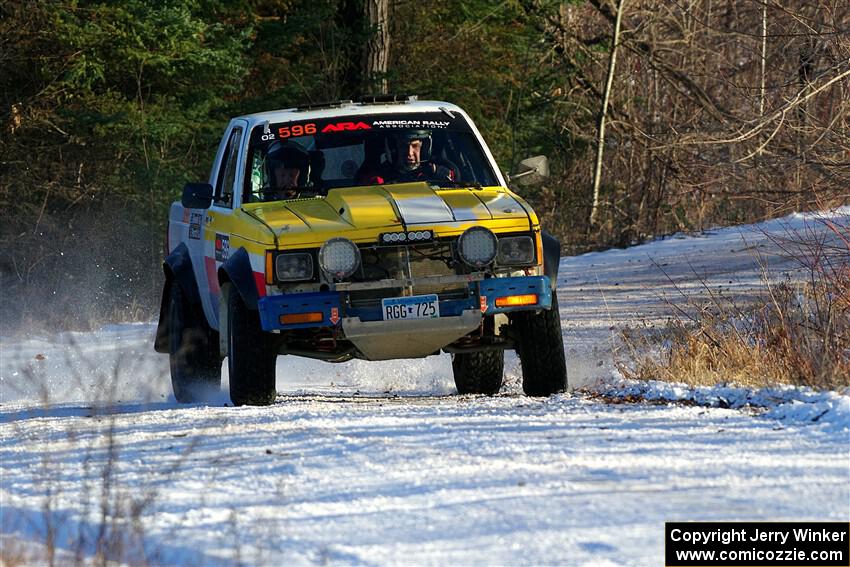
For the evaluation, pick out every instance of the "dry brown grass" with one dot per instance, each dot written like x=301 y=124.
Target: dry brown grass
x=99 y=519
x=794 y=332
x=13 y=554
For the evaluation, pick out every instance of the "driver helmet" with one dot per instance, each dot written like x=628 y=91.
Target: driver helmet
x=408 y=136
x=289 y=155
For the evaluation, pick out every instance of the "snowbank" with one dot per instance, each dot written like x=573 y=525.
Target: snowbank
x=787 y=404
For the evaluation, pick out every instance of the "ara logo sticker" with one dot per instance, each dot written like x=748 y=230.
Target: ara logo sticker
x=483 y=303
x=345 y=127
x=195 y=225
x=334 y=315
x=222 y=247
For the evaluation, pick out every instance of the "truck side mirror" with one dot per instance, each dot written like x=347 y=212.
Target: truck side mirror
x=531 y=170
x=197 y=196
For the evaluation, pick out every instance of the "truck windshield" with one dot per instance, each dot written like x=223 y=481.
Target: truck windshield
x=310 y=157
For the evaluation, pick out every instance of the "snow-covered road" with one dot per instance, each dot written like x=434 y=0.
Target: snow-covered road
x=364 y=463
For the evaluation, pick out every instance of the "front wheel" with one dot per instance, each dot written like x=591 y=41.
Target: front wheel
x=478 y=372
x=192 y=350
x=250 y=358
x=540 y=347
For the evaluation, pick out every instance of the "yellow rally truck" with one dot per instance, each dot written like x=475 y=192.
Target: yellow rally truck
x=377 y=230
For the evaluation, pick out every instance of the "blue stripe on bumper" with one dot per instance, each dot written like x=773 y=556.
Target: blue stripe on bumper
x=494 y=288
x=273 y=306
x=330 y=304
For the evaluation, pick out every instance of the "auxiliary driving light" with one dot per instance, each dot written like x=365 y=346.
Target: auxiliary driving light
x=402 y=237
x=477 y=246
x=339 y=257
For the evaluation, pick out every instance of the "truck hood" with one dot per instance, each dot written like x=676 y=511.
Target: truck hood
x=366 y=211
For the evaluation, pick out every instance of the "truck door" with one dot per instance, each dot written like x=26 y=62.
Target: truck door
x=217 y=220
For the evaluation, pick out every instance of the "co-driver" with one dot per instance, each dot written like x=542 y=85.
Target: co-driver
x=412 y=162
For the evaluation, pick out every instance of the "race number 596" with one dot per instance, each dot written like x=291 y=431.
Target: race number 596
x=297 y=130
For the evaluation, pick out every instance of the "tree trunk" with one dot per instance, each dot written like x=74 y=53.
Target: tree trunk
x=600 y=144
x=349 y=50
x=763 y=57
x=376 y=61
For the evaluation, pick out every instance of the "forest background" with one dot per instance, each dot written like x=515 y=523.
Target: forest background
x=657 y=116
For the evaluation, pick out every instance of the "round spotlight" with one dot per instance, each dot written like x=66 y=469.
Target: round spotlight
x=387 y=237
x=477 y=246
x=339 y=257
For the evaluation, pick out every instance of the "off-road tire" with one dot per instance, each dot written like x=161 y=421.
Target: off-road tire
x=193 y=350
x=540 y=347
x=250 y=358
x=478 y=372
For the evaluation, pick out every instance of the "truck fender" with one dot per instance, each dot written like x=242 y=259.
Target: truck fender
x=551 y=257
x=178 y=271
x=238 y=271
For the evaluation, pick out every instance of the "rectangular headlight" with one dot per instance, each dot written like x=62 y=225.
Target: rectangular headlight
x=293 y=267
x=515 y=251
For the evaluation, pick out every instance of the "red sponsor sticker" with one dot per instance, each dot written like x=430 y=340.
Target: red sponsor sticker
x=222 y=247
x=345 y=127
x=483 y=303
x=334 y=315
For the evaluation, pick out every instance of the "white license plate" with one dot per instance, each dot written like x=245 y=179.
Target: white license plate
x=415 y=307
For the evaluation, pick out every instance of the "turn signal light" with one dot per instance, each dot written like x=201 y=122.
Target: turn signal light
x=296 y=318
x=516 y=300
x=538 y=239
x=269 y=267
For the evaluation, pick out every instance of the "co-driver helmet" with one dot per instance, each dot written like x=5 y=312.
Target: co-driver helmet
x=408 y=136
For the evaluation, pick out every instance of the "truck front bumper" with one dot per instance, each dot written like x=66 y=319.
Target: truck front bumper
x=328 y=309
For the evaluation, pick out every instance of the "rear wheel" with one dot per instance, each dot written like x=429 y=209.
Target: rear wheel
x=250 y=357
x=193 y=350
x=541 y=351
x=478 y=372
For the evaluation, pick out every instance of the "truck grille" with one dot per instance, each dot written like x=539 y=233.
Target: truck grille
x=401 y=262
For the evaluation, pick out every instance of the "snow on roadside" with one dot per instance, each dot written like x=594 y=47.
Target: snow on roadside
x=627 y=285
x=790 y=405
x=717 y=241
x=838 y=213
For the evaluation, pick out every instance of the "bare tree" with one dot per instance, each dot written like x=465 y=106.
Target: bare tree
x=703 y=112
x=377 y=56
x=600 y=141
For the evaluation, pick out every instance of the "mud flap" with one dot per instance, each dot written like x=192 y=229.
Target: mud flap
x=178 y=271
x=551 y=257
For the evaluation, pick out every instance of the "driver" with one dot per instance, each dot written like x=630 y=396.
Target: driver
x=412 y=161
x=289 y=167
